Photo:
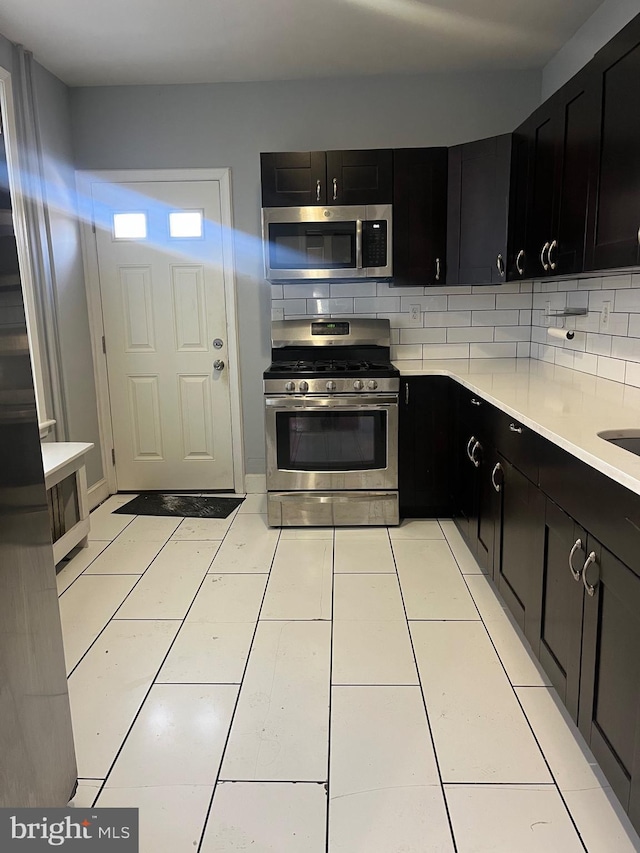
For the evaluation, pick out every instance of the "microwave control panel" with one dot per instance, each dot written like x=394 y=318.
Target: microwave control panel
x=374 y=243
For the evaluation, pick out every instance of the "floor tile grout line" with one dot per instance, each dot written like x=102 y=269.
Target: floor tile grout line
x=424 y=705
x=152 y=683
x=531 y=728
x=328 y=782
x=235 y=706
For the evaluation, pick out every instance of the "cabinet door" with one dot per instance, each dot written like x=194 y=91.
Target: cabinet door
x=360 y=177
x=518 y=564
x=419 y=216
x=518 y=262
x=425 y=447
x=559 y=628
x=293 y=178
x=478 y=202
x=609 y=712
x=489 y=508
x=614 y=216
x=543 y=133
x=468 y=428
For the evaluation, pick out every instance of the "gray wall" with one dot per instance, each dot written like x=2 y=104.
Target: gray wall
x=227 y=125
x=605 y=22
x=54 y=118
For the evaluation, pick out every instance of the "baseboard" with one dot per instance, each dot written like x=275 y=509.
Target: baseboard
x=98 y=493
x=255 y=484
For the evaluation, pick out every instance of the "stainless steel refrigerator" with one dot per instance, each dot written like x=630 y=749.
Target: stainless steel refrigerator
x=37 y=758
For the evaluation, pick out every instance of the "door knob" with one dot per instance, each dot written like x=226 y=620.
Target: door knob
x=218 y=364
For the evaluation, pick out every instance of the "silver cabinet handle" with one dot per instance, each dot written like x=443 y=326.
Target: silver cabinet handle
x=218 y=364
x=497 y=467
x=515 y=428
x=335 y=189
x=553 y=246
x=519 y=259
x=437 y=269
x=318 y=190
x=475 y=402
x=591 y=589
x=358 y=243
x=406 y=393
x=476 y=446
x=469 y=443
x=577 y=545
x=500 y=264
x=545 y=265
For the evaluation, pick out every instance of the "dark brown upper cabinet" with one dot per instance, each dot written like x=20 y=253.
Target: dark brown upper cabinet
x=478 y=206
x=613 y=227
x=306 y=178
x=559 y=137
x=419 y=216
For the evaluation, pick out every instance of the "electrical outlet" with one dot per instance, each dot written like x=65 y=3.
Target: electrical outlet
x=415 y=315
x=604 y=316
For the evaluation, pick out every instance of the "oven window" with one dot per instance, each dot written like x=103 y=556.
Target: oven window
x=332 y=441
x=312 y=245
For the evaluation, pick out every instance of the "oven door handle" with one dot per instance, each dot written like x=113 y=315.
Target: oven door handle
x=359 y=244
x=353 y=403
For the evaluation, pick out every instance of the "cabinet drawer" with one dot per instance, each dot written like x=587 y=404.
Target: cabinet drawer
x=605 y=508
x=517 y=443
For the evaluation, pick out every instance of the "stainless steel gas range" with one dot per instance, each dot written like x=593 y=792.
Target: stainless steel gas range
x=331 y=419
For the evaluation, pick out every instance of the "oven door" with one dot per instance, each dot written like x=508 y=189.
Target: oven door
x=332 y=443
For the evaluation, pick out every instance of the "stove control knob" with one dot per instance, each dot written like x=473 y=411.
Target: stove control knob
x=372 y=384
x=290 y=386
x=331 y=385
x=358 y=384
x=304 y=386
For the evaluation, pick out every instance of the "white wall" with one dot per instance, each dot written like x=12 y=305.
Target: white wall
x=597 y=30
x=228 y=125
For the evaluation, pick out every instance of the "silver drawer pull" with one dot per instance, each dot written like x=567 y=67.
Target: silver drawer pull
x=519 y=259
x=475 y=402
x=545 y=265
x=469 y=443
x=577 y=546
x=591 y=588
x=515 y=428
x=497 y=467
x=500 y=264
x=476 y=446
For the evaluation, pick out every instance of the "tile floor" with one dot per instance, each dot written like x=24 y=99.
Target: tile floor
x=302 y=691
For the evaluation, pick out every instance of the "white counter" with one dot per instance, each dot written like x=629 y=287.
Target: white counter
x=565 y=406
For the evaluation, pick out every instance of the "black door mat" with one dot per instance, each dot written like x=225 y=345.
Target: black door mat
x=190 y=506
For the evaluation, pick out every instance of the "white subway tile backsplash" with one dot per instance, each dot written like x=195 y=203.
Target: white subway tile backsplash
x=330 y=306
x=619 y=324
x=611 y=368
x=626 y=348
x=523 y=349
x=495 y=318
x=632 y=374
x=475 y=302
x=585 y=362
x=589 y=284
x=548 y=286
x=493 y=350
x=277 y=313
x=376 y=304
x=512 y=333
x=524 y=317
x=526 y=287
x=352 y=288
x=513 y=300
x=599 y=344
x=384 y=288
x=306 y=291
x=634 y=325
x=505 y=287
x=431 y=351
x=469 y=334
x=581 y=298
x=564 y=357
x=293 y=306
x=628 y=300
x=406 y=351
x=447 y=318
x=426 y=303
x=423 y=336
x=616 y=282
x=277 y=291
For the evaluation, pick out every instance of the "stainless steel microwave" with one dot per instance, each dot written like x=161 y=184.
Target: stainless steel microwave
x=327 y=243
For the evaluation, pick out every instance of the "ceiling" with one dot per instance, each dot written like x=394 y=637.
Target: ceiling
x=108 y=42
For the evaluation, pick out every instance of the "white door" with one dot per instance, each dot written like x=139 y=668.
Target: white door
x=161 y=270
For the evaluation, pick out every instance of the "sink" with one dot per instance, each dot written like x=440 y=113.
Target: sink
x=629 y=439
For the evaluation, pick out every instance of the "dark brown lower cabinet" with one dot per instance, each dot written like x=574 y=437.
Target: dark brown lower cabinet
x=519 y=543
x=560 y=611
x=609 y=711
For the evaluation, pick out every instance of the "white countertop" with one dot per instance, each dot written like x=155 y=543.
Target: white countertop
x=57 y=454
x=565 y=406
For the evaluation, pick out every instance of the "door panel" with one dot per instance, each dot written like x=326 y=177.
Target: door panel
x=293 y=178
x=163 y=304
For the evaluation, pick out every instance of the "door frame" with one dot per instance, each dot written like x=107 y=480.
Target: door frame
x=84 y=181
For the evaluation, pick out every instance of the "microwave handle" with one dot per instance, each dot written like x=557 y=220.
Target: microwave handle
x=359 y=244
